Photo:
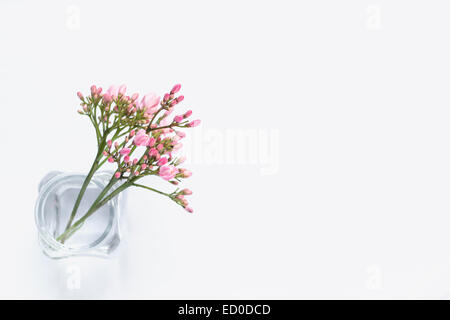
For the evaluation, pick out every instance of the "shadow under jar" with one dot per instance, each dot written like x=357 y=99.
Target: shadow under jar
x=99 y=235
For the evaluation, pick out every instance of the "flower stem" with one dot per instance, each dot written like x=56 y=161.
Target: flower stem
x=95 y=206
x=88 y=178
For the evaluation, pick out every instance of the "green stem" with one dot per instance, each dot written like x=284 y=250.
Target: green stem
x=97 y=205
x=88 y=178
x=99 y=197
x=145 y=187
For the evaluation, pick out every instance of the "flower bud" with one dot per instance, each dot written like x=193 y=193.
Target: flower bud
x=187 y=114
x=175 y=89
x=186 y=192
x=178 y=119
x=194 y=123
x=166 y=97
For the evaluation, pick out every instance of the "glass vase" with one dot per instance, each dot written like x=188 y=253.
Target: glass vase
x=98 y=236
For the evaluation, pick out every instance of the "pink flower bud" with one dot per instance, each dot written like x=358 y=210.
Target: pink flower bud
x=122 y=89
x=187 y=173
x=105 y=153
x=135 y=161
x=132 y=132
x=109 y=143
x=125 y=151
x=186 y=192
x=80 y=95
x=189 y=209
x=160 y=147
x=93 y=90
x=99 y=90
x=194 y=123
x=187 y=114
x=107 y=98
x=153 y=152
x=116 y=145
x=180 y=98
x=162 y=161
x=178 y=119
x=181 y=134
x=166 y=97
x=175 y=89
x=144 y=165
x=126 y=158
x=134 y=96
x=110 y=159
x=117 y=175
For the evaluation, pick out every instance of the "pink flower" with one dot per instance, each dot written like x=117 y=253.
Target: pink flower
x=143 y=166
x=189 y=209
x=93 y=90
x=168 y=172
x=187 y=114
x=151 y=142
x=175 y=89
x=149 y=101
x=153 y=152
x=160 y=147
x=162 y=161
x=181 y=134
x=110 y=159
x=126 y=158
x=194 y=123
x=180 y=98
x=80 y=95
x=117 y=175
x=113 y=91
x=125 y=151
x=141 y=138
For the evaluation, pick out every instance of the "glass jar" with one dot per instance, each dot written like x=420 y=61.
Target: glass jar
x=98 y=236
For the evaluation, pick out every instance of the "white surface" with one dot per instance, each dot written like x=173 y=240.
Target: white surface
x=351 y=98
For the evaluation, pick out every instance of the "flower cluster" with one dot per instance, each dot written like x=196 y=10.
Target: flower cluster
x=140 y=136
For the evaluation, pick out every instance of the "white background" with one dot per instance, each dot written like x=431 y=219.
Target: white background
x=352 y=202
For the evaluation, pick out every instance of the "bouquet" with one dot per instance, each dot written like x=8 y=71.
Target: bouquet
x=140 y=138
